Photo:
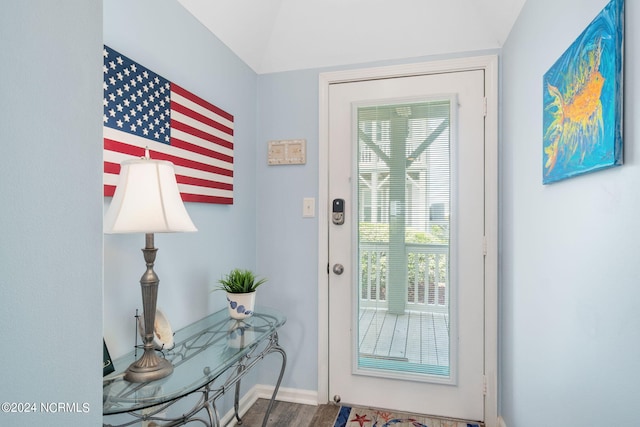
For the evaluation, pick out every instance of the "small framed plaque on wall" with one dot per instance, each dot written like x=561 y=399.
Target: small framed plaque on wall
x=287 y=152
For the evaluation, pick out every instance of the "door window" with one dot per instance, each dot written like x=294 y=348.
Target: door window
x=403 y=236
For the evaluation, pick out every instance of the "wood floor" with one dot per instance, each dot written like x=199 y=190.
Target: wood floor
x=285 y=414
x=414 y=337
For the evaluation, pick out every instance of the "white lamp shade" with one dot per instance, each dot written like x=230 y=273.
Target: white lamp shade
x=147 y=200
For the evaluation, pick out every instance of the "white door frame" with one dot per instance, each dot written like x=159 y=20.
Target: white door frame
x=490 y=65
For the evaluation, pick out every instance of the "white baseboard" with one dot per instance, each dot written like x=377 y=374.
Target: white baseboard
x=260 y=391
x=501 y=422
x=293 y=395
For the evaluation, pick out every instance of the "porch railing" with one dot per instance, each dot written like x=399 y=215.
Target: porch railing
x=427 y=287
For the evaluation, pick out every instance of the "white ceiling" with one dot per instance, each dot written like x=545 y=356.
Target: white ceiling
x=282 y=35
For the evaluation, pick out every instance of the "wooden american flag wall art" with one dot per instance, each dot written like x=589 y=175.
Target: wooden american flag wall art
x=143 y=109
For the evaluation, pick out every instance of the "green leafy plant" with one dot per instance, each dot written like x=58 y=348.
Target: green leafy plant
x=240 y=281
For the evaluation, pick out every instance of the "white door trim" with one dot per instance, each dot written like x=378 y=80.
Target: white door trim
x=490 y=65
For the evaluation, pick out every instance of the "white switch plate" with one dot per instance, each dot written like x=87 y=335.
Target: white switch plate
x=308 y=207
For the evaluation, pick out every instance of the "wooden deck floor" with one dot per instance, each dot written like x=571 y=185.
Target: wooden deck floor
x=414 y=337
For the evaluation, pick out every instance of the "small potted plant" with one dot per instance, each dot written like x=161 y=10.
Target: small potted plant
x=240 y=286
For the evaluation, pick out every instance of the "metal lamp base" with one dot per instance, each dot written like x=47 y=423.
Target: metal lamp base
x=149 y=367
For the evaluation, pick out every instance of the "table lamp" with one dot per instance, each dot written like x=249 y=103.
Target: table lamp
x=147 y=200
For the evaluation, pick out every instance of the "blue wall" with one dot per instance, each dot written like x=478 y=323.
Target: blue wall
x=570 y=270
x=167 y=39
x=164 y=37
x=51 y=215
x=287 y=243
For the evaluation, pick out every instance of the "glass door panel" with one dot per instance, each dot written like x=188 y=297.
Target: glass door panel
x=403 y=238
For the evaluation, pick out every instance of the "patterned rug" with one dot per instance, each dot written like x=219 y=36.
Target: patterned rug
x=363 y=417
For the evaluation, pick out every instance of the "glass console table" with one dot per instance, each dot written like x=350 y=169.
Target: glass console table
x=209 y=357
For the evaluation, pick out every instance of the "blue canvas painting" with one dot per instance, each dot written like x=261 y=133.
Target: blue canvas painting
x=582 y=100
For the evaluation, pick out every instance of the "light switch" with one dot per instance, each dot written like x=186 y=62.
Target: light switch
x=308 y=207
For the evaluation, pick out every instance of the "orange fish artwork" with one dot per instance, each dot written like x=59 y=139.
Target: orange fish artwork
x=582 y=95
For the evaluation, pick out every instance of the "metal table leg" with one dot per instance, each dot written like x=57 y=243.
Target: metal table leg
x=278 y=349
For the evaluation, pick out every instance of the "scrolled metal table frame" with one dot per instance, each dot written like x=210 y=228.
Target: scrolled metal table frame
x=209 y=391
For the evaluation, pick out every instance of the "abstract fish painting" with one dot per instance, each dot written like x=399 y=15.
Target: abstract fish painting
x=583 y=99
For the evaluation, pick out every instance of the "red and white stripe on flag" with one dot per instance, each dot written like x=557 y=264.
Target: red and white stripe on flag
x=143 y=110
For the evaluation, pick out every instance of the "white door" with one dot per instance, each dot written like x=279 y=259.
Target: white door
x=406 y=257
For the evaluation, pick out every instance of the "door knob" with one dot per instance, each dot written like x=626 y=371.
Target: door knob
x=338 y=269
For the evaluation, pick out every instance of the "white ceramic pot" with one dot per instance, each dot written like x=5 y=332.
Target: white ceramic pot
x=241 y=305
